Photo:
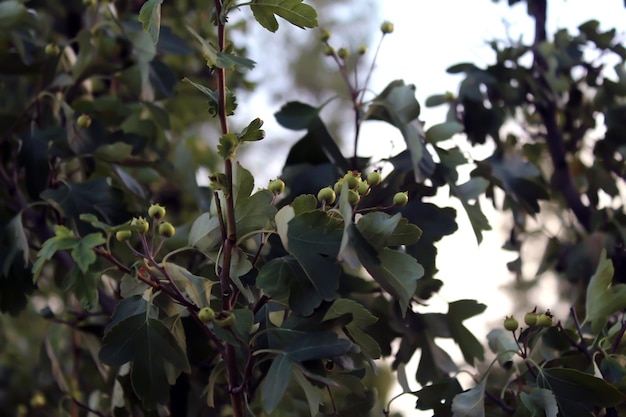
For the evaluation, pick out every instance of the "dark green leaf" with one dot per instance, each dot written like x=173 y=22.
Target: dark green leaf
x=540 y=401
x=443 y=131
x=377 y=228
x=83 y=252
x=360 y=319
x=582 y=388
x=64 y=239
x=230 y=61
x=603 y=298
x=314 y=240
x=150 y=18
x=276 y=382
x=84 y=286
x=468 y=192
x=148 y=344
x=293 y=11
x=458 y=311
x=17 y=242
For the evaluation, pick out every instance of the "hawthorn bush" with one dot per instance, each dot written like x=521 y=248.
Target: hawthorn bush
x=130 y=290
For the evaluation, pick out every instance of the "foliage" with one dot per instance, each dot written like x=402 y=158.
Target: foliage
x=266 y=301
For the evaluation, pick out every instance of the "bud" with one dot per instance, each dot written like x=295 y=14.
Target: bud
x=343 y=53
x=386 y=27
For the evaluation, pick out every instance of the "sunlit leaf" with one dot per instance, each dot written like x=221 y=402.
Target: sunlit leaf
x=150 y=18
x=293 y=11
x=470 y=403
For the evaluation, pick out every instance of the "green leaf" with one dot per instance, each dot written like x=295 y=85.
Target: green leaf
x=197 y=288
x=313 y=394
x=17 y=241
x=293 y=11
x=231 y=101
x=227 y=145
x=252 y=132
x=83 y=252
x=405 y=233
x=466 y=193
x=397 y=106
x=276 y=382
x=579 y=387
x=11 y=13
x=150 y=18
x=360 y=319
x=205 y=232
x=114 y=152
x=431 y=396
x=470 y=403
x=275 y=277
x=314 y=240
x=84 y=286
x=458 y=311
x=64 y=239
x=230 y=61
x=148 y=344
x=443 y=131
x=503 y=345
x=397 y=273
x=540 y=401
x=244 y=319
x=603 y=298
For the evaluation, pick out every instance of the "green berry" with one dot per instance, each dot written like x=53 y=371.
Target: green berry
x=206 y=315
x=327 y=195
x=374 y=178
x=343 y=53
x=400 y=199
x=83 y=121
x=329 y=51
x=510 y=323
x=545 y=319
x=166 y=229
x=276 y=186
x=325 y=35
x=338 y=186
x=386 y=27
x=352 y=178
x=52 y=49
x=530 y=318
x=123 y=235
x=353 y=197
x=156 y=211
x=144 y=226
x=361 y=50
x=363 y=188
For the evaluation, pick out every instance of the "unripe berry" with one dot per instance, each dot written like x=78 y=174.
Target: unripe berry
x=276 y=186
x=352 y=178
x=123 y=235
x=325 y=35
x=363 y=188
x=343 y=53
x=52 y=49
x=206 y=315
x=361 y=50
x=353 y=197
x=326 y=195
x=337 y=187
x=545 y=319
x=83 y=121
x=156 y=211
x=374 y=178
x=329 y=51
x=166 y=229
x=386 y=27
x=530 y=318
x=144 y=226
x=510 y=323
x=400 y=199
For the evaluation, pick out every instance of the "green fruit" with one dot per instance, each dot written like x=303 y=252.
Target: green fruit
x=362 y=49
x=353 y=178
x=353 y=197
x=83 y=121
x=206 y=315
x=338 y=186
x=530 y=318
x=325 y=35
x=52 y=49
x=156 y=211
x=166 y=229
x=276 y=186
x=143 y=225
x=545 y=319
x=329 y=51
x=374 y=178
x=123 y=235
x=343 y=53
x=510 y=323
x=228 y=321
x=400 y=199
x=327 y=195
x=363 y=188
x=386 y=27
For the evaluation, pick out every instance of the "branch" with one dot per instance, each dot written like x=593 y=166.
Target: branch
x=547 y=109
